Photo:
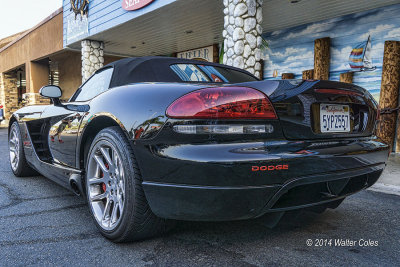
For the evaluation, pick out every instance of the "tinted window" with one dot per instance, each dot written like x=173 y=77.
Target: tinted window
x=234 y=76
x=96 y=85
x=207 y=73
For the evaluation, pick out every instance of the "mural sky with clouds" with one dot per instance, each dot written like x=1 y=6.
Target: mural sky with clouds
x=292 y=50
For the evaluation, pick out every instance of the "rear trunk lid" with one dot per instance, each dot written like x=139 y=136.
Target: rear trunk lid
x=320 y=109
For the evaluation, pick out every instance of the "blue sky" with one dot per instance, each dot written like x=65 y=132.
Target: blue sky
x=17 y=16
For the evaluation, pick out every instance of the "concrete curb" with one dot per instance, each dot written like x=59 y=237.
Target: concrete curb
x=385 y=188
x=4 y=124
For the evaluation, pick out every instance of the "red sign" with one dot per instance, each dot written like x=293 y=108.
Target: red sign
x=135 y=4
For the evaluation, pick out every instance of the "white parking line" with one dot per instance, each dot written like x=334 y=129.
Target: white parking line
x=386 y=188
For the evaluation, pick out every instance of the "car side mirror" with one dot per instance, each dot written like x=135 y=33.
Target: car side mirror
x=53 y=92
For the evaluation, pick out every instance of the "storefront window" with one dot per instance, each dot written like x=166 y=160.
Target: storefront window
x=53 y=73
x=21 y=84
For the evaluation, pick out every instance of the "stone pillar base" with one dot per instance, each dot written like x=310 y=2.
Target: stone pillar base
x=8 y=86
x=34 y=99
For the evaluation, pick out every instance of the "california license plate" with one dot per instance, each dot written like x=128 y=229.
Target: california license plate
x=334 y=118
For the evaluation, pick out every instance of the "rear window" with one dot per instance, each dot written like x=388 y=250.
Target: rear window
x=190 y=73
x=207 y=73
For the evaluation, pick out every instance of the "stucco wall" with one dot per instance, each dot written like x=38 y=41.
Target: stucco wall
x=38 y=43
x=69 y=68
x=5 y=41
x=39 y=76
x=109 y=59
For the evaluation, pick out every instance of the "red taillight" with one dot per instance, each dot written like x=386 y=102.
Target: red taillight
x=337 y=92
x=222 y=103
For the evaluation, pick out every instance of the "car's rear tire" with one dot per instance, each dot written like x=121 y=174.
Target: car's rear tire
x=113 y=177
x=18 y=163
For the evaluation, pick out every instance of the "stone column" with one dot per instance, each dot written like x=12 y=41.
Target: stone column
x=322 y=58
x=8 y=85
x=92 y=57
x=35 y=99
x=242 y=34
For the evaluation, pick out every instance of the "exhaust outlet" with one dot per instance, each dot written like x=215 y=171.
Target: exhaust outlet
x=75 y=182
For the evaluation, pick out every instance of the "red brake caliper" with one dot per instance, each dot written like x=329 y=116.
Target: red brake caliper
x=103 y=185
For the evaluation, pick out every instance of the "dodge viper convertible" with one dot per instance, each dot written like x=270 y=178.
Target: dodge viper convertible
x=151 y=140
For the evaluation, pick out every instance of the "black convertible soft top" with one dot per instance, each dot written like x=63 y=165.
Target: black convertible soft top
x=152 y=69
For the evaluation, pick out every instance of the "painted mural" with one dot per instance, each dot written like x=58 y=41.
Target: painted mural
x=292 y=50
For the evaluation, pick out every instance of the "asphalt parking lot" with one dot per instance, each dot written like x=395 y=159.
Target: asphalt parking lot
x=44 y=224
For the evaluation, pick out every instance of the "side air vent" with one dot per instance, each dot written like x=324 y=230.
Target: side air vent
x=37 y=131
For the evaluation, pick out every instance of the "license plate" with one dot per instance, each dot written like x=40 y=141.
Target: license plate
x=334 y=118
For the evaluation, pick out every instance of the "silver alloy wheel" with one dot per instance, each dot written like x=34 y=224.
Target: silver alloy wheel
x=13 y=145
x=106 y=185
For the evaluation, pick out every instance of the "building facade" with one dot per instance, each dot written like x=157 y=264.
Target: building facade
x=309 y=39
x=337 y=40
x=35 y=58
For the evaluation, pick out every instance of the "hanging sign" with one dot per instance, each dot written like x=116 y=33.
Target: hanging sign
x=77 y=29
x=131 y=5
x=209 y=53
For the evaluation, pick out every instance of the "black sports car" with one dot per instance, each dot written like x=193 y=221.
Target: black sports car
x=152 y=139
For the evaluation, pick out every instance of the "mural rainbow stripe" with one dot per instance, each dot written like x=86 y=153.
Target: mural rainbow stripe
x=357 y=55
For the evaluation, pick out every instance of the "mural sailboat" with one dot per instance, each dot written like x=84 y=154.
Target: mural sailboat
x=360 y=57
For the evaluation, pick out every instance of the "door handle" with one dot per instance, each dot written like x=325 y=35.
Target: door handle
x=79 y=108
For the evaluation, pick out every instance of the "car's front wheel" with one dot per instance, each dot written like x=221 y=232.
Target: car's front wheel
x=114 y=191
x=18 y=163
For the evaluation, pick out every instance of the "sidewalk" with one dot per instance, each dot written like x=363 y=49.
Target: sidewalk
x=4 y=124
x=389 y=182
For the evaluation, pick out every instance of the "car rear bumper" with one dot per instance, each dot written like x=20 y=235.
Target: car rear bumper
x=220 y=203
x=216 y=182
